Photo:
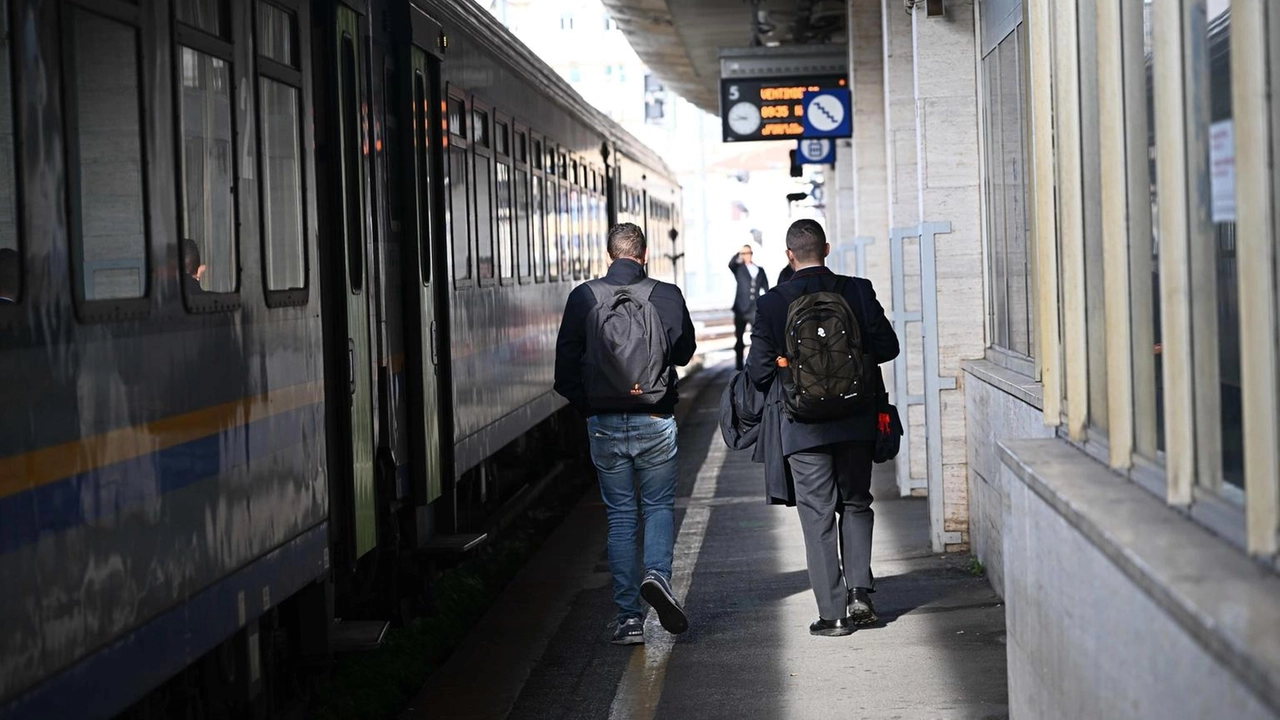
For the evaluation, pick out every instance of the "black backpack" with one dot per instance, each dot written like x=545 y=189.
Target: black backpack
x=828 y=378
x=627 y=347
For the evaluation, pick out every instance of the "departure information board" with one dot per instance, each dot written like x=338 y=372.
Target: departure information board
x=768 y=108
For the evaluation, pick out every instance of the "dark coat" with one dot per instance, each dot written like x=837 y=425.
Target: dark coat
x=571 y=344
x=749 y=289
x=768 y=341
x=750 y=418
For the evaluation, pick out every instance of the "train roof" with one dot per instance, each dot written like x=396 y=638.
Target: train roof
x=484 y=28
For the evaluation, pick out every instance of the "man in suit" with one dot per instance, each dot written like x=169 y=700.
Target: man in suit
x=752 y=283
x=830 y=461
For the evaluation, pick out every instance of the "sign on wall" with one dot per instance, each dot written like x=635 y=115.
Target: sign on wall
x=816 y=151
x=828 y=114
x=769 y=108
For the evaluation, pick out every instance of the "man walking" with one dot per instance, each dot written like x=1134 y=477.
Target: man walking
x=830 y=460
x=752 y=283
x=619 y=343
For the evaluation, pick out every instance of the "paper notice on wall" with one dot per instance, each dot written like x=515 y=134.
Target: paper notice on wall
x=1222 y=170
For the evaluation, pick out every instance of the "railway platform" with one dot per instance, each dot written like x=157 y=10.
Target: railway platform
x=542 y=650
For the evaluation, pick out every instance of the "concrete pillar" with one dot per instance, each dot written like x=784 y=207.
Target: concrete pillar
x=949 y=190
x=867 y=166
x=902 y=206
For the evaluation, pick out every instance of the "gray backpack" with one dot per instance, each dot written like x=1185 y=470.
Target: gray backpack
x=627 y=347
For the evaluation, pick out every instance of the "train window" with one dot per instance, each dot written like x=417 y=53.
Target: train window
x=505 y=230
x=280 y=157
x=563 y=216
x=457 y=114
x=207 y=15
x=277 y=35
x=577 y=256
x=422 y=168
x=564 y=166
x=502 y=138
x=480 y=128
x=10 y=248
x=538 y=218
x=107 y=192
x=209 y=252
x=551 y=236
x=523 y=214
x=483 y=193
x=551 y=162
x=457 y=188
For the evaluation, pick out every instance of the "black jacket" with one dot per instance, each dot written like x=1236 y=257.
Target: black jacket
x=744 y=299
x=571 y=343
x=750 y=418
x=768 y=341
x=785 y=274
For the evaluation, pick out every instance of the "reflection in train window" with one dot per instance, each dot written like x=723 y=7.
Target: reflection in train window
x=208 y=208
x=480 y=126
x=505 y=261
x=457 y=185
x=457 y=113
x=207 y=15
x=282 y=186
x=10 y=250
x=277 y=35
x=523 y=241
x=502 y=139
x=105 y=149
x=538 y=226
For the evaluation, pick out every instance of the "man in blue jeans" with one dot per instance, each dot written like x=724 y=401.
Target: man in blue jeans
x=632 y=434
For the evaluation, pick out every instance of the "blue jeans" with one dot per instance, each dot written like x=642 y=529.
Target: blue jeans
x=633 y=451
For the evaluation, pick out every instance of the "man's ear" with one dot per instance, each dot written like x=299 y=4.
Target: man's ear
x=826 y=249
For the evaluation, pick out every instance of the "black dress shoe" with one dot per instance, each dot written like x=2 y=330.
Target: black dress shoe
x=861 y=611
x=831 y=628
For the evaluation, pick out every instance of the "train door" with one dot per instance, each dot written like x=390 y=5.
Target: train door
x=427 y=278
x=350 y=214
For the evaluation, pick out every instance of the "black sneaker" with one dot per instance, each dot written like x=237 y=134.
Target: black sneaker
x=629 y=632
x=861 y=611
x=657 y=592
x=831 y=628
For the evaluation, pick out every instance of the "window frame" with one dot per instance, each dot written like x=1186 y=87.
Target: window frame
x=458 y=138
x=222 y=48
x=104 y=310
x=271 y=69
x=420 y=119
x=538 y=214
x=523 y=167
x=11 y=312
x=483 y=152
x=500 y=122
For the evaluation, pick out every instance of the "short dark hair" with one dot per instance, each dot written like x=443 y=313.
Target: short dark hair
x=806 y=239
x=626 y=240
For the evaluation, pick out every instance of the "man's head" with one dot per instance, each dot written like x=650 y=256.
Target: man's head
x=746 y=254
x=806 y=243
x=190 y=257
x=626 y=240
x=10 y=274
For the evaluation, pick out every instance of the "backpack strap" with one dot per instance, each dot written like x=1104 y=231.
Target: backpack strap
x=647 y=282
x=598 y=290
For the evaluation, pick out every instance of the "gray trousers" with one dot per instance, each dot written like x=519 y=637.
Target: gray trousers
x=833 y=497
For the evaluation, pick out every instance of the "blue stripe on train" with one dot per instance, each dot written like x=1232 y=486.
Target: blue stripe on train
x=108 y=681
x=113 y=489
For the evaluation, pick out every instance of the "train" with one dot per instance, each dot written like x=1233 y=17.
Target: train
x=279 y=288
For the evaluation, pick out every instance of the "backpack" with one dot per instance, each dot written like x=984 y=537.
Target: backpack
x=627 y=347
x=828 y=378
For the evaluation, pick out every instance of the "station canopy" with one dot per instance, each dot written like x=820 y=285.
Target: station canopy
x=681 y=40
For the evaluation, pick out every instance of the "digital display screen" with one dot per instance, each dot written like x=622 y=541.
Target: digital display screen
x=768 y=108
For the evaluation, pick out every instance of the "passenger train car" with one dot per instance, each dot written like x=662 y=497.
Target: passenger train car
x=279 y=288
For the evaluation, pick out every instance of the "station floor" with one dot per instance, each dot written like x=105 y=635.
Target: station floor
x=542 y=650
